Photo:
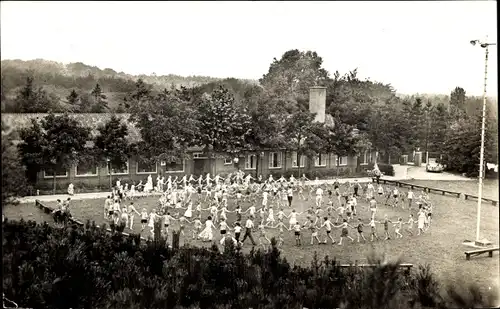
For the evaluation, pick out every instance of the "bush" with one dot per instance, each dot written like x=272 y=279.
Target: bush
x=83 y=267
x=386 y=169
x=320 y=173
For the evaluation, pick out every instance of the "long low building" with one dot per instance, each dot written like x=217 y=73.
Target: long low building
x=276 y=162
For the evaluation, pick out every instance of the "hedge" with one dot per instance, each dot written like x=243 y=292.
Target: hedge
x=84 y=267
x=387 y=169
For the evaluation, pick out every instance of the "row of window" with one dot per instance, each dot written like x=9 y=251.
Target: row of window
x=276 y=161
x=85 y=170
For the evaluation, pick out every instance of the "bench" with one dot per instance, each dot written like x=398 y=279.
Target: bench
x=468 y=254
x=406 y=266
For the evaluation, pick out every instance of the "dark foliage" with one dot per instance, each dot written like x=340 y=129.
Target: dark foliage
x=386 y=169
x=86 y=267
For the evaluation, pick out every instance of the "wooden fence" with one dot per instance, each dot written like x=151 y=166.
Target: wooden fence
x=429 y=190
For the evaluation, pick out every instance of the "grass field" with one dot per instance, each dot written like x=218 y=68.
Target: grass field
x=454 y=220
x=27 y=212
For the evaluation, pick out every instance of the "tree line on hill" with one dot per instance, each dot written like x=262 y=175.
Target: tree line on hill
x=83 y=267
x=58 y=84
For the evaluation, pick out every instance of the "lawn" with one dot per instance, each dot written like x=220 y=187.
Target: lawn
x=490 y=186
x=27 y=212
x=454 y=220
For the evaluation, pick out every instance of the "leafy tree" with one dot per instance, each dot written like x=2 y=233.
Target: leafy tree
x=3 y=97
x=85 y=103
x=389 y=132
x=14 y=183
x=291 y=77
x=341 y=140
x=417 y=121
x=142 y=90
x=73 y=100
x=31 y=149
x=167 y=124
x=427 y=124
x=222 y=124
x=353 y=100
x=32 y=100
x=237 y=87
x=141 y=93
x=64 y=138
x=299 y=127
x=439 y=121
x=457 y=98
x=111 y=144
x=265 y=130
x=462 y=146
x=362 y=143
x=99 y=104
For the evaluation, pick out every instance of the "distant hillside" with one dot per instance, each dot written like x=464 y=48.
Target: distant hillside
x=58 y=80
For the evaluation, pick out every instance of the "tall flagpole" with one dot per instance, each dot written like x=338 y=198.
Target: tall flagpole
x=483 y=121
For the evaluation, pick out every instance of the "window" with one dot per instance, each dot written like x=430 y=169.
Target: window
x=122 y=171
x=294 y=160
x=228 y=161
x=370 y=157
x=275 y=160
x=320 y=160
x=250 y=162
x=342 y=161
x=84 y=169
x=175 y=167
x=59 y=171
x=365 y=158
x=146 y=168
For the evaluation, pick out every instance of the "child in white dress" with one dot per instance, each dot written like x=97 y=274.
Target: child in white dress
x=207 y=234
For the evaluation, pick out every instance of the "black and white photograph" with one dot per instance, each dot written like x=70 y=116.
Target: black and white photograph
x=250 y=154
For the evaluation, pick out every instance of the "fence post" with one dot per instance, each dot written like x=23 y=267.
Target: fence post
x=175 y=239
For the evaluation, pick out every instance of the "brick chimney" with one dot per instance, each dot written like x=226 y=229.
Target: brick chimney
x=317 y=102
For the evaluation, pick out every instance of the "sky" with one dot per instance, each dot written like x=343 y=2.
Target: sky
x=417 y=47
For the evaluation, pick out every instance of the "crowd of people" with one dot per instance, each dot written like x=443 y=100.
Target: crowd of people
x=268 y=206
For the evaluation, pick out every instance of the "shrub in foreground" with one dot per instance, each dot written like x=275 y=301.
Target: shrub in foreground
x=85 y=267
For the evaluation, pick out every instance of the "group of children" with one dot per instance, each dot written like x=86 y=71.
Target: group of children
x=335 y=207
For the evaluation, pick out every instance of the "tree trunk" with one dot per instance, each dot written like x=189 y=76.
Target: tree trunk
x=209 y=155
x=257 y=160
x=110 y=178
x=284 y=161
x=54 y=182
x=358 y=163
x=337 y=164
x=426 y=142
x=213 y=160
x=389 y=160
x=298 y=163
x=175 y=240
x=99 y=176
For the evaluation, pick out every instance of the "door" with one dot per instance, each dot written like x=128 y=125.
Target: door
x=201 y=167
